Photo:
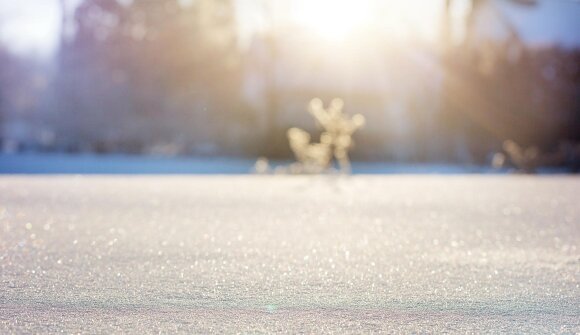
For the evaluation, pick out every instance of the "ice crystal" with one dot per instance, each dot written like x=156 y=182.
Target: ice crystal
x=469 y=254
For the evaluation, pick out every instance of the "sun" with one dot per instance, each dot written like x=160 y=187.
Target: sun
x=333 y=20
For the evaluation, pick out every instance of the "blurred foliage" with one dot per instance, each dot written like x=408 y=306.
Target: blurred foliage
x=504 y=90
x=164 y=72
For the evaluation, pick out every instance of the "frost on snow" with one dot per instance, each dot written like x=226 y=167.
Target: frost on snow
x=335 y=141
x=290 y=254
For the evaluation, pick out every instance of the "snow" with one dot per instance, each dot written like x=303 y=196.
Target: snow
x=35 y=163
x=291 y=254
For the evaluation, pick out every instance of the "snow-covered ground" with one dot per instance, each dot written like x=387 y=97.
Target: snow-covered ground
x=35 y=163
x=291 y=254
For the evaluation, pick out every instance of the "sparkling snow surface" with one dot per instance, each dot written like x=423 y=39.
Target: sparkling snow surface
x=261 y=254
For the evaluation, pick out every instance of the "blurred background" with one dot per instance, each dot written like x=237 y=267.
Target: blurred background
x=439 y=81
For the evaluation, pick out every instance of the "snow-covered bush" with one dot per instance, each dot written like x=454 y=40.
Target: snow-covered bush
x=335 y=140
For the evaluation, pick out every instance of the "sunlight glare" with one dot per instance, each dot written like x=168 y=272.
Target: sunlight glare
x=333 y=19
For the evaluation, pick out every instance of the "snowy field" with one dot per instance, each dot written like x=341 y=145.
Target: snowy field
x=289 y=254
x=35 y=163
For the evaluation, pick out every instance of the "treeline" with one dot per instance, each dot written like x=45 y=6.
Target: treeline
x=169 y=77
x=137 y=77
x=149 y=74
x=509 y=92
